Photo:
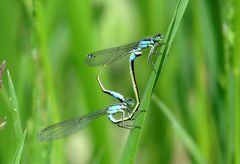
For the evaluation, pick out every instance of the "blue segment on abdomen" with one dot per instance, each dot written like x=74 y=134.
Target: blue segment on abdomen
x=117 y=95
x=132 y=57
x=144 y=44
x=115 y=109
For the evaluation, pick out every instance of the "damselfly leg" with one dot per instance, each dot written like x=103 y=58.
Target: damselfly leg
x=153 y=51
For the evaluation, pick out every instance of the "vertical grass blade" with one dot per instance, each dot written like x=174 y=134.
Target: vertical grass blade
x=130 y=149
x=42 y=49
x=14 y=108
x=170 y=35
x=236 y=72
x=228 y=41
x=41 y=46
x=179 y=130
x=19 y=150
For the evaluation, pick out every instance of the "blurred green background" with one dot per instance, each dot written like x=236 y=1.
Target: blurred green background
x=45 y=43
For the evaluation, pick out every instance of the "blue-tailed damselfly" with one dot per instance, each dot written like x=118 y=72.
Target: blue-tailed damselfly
x=107 y=56
x=72 y=125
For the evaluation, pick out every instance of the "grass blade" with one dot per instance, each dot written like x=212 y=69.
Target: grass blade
x=19 y=151
x=170 y=35
x=41 y=46
x=179 y=130
x=236 y=72
x=14 y=106
x=130 y=149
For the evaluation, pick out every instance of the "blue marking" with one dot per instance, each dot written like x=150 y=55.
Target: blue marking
x=144 y=44
x=132 y=57
x=117 y=95
x=117 y=108
x=114 y=109
x=110 y=117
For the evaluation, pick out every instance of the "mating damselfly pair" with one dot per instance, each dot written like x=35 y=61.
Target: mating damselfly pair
x=127 y=108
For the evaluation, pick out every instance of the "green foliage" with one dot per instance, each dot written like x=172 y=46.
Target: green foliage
x=44 y=44
x=178 y=130
x=19 y=150
x=14 y=108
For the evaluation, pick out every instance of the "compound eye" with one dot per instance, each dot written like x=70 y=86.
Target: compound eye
x=130 y=102
x=159 y=37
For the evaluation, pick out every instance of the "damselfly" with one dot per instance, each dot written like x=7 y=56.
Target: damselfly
x=72 y=125
x=107 y=56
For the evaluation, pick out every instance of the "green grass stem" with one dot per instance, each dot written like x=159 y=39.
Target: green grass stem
x=131 y=146
x=19 y=150
x=180 y=131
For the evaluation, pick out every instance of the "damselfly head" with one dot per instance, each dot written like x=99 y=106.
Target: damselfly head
x=158 y=38
x=90 y=56
x=130 y=102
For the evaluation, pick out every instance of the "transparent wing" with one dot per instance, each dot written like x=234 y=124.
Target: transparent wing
x=109 y=55
x=67 y=127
